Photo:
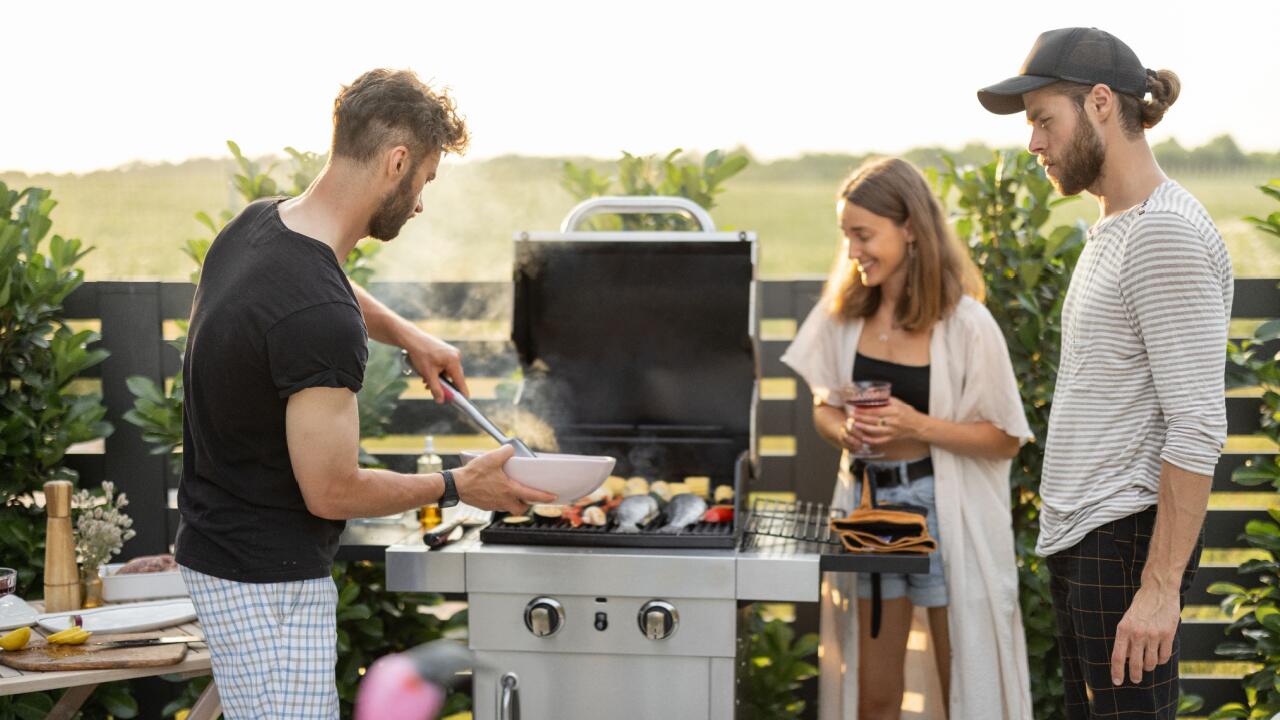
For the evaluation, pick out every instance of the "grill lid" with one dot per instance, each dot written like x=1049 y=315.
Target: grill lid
x=648 y=337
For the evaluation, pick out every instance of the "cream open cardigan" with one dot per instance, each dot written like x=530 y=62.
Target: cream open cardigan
x=970 y=379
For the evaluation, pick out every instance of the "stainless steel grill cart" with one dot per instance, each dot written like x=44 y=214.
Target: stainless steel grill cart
x=643 y=346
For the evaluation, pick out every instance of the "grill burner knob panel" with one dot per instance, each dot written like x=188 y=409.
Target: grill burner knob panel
x=544 y=616
x=658 y=620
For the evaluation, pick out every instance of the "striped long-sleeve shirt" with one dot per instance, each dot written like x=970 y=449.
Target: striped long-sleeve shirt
x=1140 y=379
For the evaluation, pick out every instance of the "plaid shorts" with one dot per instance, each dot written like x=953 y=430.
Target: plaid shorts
x=1093 y=584
x=273 y=645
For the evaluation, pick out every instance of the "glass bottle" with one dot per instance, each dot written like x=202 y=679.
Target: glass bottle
x=429 y=462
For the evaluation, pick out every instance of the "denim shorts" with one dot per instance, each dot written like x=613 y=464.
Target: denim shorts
x=923 y=589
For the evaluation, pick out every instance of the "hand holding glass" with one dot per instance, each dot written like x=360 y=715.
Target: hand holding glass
x=865 y=394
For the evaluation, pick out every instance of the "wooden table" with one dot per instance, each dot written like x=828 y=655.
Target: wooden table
x=80 y=684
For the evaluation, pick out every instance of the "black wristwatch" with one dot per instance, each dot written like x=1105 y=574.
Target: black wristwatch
x=450 y=496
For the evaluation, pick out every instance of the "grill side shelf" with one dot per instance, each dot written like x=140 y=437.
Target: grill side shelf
x=807 y=526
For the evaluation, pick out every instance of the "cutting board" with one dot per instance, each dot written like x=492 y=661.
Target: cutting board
x=41 y=657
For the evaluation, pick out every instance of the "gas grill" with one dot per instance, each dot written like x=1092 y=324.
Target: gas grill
x=641 y=346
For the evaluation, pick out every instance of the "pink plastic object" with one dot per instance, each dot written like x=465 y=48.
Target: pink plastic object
x=392 y=689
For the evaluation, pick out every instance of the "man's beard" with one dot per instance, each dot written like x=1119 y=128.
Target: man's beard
x=396 y=209
x=1081 y=165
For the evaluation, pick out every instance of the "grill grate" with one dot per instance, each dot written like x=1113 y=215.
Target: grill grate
x=803 y=521
x=549 y=531
x=806 y=527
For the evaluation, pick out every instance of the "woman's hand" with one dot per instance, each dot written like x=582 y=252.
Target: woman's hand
x=850 y=438
x=895 y=421
x=835 y=428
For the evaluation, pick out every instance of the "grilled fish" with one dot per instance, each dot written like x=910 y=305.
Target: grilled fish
x=683 y=511
x=636 y=511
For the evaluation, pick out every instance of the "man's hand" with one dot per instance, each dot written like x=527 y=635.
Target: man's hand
x=482 y=483
x=1144 y=637
x=431 y=357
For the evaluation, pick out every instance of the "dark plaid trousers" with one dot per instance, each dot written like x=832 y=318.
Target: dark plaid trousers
x=1092 y=584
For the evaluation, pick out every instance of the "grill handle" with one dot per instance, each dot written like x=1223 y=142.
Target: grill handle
x=636 y=205
x=509 y=697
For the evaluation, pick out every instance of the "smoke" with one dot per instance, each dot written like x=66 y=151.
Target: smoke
x=470 y=213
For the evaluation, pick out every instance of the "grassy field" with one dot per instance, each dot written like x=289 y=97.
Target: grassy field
x=137 y=218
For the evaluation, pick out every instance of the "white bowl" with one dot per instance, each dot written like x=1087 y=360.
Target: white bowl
x=568 y=476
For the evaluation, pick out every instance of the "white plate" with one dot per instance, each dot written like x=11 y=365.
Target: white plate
x=15 y=613
x=133 y=617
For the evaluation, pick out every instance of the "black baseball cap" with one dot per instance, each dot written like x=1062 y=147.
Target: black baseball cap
x=1081 y=55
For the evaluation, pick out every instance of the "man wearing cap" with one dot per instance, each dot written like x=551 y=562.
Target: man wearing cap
x=1139 y=415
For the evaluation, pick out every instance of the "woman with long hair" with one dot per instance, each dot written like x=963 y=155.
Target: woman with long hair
x=903 y=305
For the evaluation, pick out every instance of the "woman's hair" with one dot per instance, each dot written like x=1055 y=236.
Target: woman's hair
x=1136 y=114
x=939 y=272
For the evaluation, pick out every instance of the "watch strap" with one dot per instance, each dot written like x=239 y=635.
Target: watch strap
x=449 y=497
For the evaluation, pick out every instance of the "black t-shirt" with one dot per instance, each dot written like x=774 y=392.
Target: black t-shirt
x=273 y=315
x=910 y=382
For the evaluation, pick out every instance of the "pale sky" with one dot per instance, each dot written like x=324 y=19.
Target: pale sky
x=98 y=84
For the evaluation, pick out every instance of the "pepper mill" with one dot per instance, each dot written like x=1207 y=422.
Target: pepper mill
x=61 y=579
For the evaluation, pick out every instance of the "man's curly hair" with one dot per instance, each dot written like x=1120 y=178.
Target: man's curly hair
x=393 y=107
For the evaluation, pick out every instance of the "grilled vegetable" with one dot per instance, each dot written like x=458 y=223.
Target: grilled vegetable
x=614 y=485
x=550 y=512
x=723 y=494
x=517 y=519
x=635 y=486
x=718 y=514
x=594 y=515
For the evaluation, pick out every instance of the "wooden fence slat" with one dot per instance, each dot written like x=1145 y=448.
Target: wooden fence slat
x=1227 y=465
x=90 y=467
x=1206 y=576
x=1200 y=639
x=131 y=332
x=1244 y=416
x=1256 y=298
x=1222 y=528
x=1214 y=691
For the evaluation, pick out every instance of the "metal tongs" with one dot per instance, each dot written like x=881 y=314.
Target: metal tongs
x=470 y=413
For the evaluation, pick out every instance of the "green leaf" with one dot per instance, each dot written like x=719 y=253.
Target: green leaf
x=1250 y=476
x=1230 y=710
x=1225 y=588
x=1267 y=331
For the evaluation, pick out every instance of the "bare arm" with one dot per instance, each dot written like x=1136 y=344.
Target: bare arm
x=323 y=429
x=1145 y=635
x=430 y=356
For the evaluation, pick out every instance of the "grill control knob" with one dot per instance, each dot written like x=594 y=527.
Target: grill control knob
x=658 y=619
x=544 y=616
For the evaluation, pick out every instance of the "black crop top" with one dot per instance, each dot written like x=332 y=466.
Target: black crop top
x=910 y=382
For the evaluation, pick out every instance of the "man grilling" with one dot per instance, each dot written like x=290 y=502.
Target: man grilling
x=276 y=353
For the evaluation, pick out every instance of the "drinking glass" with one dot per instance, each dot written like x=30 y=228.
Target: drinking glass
x=865 y=394
x=8 y=581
